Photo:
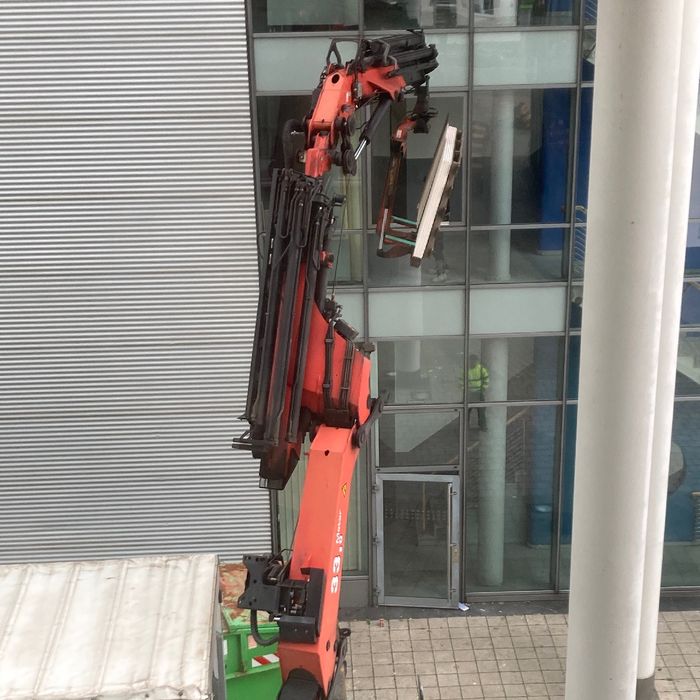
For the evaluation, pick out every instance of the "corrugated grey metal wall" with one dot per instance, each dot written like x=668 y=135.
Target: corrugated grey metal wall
x=127 y=279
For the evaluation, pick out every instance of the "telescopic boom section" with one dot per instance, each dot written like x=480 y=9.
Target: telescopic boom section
x=308 y=374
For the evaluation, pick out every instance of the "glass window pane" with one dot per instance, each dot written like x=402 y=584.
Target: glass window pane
x=688 y=367
x=588 y=55
x=453 y=60
x=420 y=152
x=273 y=112
x=584 y=157
x=509 y=497
x=590 y=12
x=520 y=156
x=425 y=439
x=356 y=554
x=293 y=15
x=508 y=13
x=579 y=252
x=415 y=14
x=414 y=313
x=446 y=265
x=428 y=370
x=681 y=566
x=690 y=304
x=516 y=310
x=347 y=251
x=352 y=310
x=284 y=64
x=567 y=490
x=527 y=255
x=515 y=369
x=525 y=58
x=695 y=187
x=574 y=366
x=576 y=306
x=416 y=542
x=692 y=251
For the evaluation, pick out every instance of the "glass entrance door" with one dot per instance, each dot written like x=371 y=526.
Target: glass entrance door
x=417 y=546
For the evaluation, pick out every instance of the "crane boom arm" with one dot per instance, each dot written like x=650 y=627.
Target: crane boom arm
x=309 y=375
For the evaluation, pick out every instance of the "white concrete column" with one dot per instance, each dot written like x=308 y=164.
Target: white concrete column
x=668 y=353
x=637 y=63
x=492 y=466
x=502 y=146
x=492 y=448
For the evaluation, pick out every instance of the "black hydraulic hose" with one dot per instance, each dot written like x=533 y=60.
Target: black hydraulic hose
x=259 y=640
x=379 y=111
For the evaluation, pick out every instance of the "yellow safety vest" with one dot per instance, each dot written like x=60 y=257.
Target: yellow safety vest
x=478 y=378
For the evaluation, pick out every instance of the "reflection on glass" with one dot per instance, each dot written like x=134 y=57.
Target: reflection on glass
x=584 y=155
x=509 y=498
x=446 y=265
x=425 y=439
x=412 y=313
x=524 y=13
x=347 y=264
x=351 y=308
x=590 y=12
x=525 y=58
x=574 y=366
x=588 y=55
x=273 y=112
x=579 y=253
x=692 y=251
x=453 y=70
x=416 y=519
x=534 y=255
x=690 y=304
x=527 y=368
x=424 y=371
x=509 y=309
x=355 y=559
x=576 y=306
x=688 y=367
x=421 y=150
x=695 y=183
x=415 y=14
x=286 y=16
x=567 y=489
x=520 y=146
x=286 y=64
x=681 y=565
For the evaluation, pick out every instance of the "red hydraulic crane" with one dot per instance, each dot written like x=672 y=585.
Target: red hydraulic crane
x=308 y=375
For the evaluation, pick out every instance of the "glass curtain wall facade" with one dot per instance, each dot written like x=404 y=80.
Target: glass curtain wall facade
x=467 y=486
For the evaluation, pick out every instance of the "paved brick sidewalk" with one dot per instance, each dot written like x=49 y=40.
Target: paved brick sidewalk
x=514 y=656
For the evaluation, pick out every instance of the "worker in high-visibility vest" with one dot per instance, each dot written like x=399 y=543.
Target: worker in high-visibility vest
x=477 y=383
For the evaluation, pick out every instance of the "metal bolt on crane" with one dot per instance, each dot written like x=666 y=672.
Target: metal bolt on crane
x=308 y=376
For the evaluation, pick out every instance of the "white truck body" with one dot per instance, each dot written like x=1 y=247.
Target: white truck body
x=118 y=629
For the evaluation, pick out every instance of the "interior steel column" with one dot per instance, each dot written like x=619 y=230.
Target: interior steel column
x=686 y=115
x=492 y=466
x=637 y=63
x=492 y=447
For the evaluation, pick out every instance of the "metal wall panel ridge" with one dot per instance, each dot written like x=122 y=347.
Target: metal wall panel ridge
x=128 y=280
